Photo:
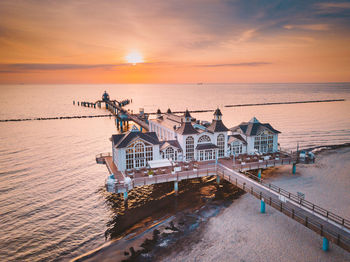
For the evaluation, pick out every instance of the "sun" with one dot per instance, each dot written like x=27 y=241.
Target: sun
x=134 y=58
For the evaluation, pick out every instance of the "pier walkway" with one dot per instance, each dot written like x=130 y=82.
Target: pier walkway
x=330 y=226
x=119 y=111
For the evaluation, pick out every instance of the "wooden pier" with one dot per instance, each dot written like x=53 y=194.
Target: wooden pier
x=117 y=109
x=328 y=225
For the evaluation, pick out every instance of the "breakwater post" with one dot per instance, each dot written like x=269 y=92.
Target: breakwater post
x=176 y=187
x=262 y=206
x=125 y=196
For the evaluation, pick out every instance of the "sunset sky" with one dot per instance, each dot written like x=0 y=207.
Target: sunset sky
x=91 y=41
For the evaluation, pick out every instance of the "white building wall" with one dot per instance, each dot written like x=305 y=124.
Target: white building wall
x=121 y=164
x=156 y=152
x=275 y=143
x=250 y=145
x=162 y=132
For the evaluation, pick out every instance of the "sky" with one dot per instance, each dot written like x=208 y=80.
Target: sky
x=216 y=41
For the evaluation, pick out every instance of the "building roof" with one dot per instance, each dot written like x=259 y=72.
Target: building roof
x=123 y=140
x=217 y=126
x=232 y=138
x=206 y=146
x=186 y=128
x=167 y=143
x=253 y=127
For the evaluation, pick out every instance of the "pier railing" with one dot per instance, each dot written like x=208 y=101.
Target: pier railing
x=263 y=164
x=100 y=158
x=163 y=178
x=302 y=202
x=339 y=239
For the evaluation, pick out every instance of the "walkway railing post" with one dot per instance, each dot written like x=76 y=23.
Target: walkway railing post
x=325 y=245
x=294 y=169
x=262 y=206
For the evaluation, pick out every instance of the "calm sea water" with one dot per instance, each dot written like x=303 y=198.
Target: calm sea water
x=50 y=204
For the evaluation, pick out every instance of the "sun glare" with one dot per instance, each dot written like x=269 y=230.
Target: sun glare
x=134 y=58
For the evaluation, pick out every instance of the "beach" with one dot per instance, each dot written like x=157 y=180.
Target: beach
x=240 y=232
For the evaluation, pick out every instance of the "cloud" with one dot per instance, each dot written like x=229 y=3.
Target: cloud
x=23 y=67
x=332 y=7
x=236 y=64
x=246 y=35
x=312 y=27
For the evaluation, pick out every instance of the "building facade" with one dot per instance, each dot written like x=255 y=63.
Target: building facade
x=259 y=138
x=183 y=138
x=190 y=139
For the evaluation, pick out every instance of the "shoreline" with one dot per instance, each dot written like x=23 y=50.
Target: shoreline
x=153 y=242
x=180 y=216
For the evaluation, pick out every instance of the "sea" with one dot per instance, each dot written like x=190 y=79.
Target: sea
x=53 y=206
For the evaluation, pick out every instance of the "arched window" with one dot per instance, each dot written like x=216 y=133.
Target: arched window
x=204 y=139
x=189 y=148
x=137 y=154
x=221 y=145
x=170 y=154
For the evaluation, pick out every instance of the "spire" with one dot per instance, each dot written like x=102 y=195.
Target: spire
x=217 y=114
x=187 y=116
x=168 y=111
x=159 y=113
x=254 y=120
x=217 y=125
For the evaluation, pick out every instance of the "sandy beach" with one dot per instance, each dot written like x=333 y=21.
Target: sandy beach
x=240 y=232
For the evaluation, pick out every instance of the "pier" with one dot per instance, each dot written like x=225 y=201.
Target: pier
x=121 y=115
x=331 y=227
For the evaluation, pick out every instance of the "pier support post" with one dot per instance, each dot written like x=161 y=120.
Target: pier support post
x=176 y=187
x=259 y=174
x=217 y=179
x=125 y=194
x=262 y=206
x=294 y=169
x=325 y=245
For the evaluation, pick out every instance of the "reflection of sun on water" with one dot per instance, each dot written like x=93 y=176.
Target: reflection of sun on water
x=134 y=58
